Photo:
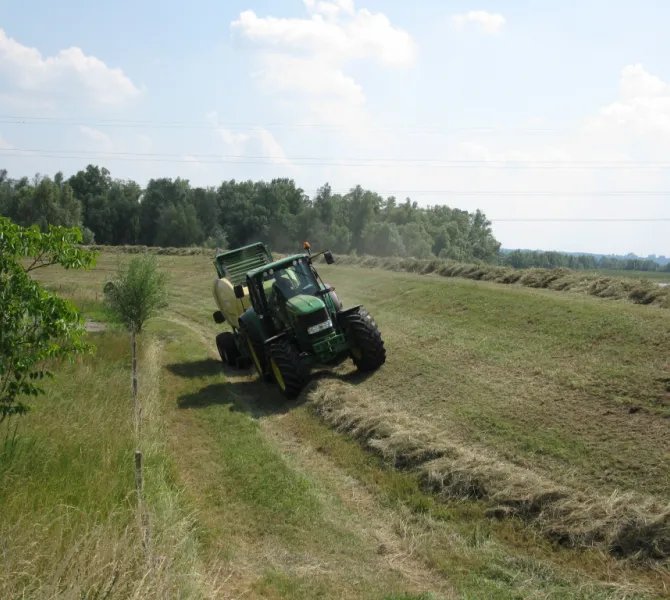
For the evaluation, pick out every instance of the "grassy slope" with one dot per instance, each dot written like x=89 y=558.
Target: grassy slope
x=517 y=382
x=545 y=378
x=68 y=526
x=662 y=276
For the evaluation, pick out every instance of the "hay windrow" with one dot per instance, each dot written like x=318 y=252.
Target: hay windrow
x=626 y=525
x=129 y=249
x=638 y=291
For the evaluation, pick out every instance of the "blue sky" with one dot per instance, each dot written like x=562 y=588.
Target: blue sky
x=344 y=92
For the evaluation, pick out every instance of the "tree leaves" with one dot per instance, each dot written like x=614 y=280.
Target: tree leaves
x=277 y=212
x=36 y=326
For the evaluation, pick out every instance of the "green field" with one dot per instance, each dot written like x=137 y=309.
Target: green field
x=515 y=445
x=653 y=275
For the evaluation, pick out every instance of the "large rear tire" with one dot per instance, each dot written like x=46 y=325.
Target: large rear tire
x=286 y=368
x=228 y=351
x=367 y=347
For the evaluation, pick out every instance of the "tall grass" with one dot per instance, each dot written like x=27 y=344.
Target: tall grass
x=69 y=526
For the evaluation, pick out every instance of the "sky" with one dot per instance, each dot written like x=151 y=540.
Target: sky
x=534 y=112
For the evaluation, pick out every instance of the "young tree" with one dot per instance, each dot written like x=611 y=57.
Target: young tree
x=138 y=293
x=36 y=326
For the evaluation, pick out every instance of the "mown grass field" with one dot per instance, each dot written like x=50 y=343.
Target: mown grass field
x=662 y=276
x=549 y=409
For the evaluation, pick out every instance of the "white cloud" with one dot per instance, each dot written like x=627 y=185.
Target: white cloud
x=69 y=72
x=236 y=142
x=489 y=22
x=636 y=82
x=364 y=35
x=259 y=142
x=644 y=106
x=312 y=76
x=330 y=9
x=4 y=144
x=305 y=59
x=99 y=137
x=193 y=162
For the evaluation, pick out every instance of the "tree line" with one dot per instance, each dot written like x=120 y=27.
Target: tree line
x=524 y=259
x=171 y=212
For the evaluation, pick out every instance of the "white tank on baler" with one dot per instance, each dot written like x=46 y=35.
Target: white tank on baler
x=231 y=307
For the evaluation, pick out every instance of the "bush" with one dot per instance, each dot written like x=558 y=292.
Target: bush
x=36 y=327
x=138 y=293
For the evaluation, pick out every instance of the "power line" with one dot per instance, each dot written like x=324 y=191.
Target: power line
x=605 y=193
x=578 y=220
x=241 y=159
x=237 y=126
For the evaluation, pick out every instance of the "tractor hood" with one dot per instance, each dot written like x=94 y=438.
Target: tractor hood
x=304 y=304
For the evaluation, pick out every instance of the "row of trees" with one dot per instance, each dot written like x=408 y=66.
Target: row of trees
x=170 y=212
x=523 y=259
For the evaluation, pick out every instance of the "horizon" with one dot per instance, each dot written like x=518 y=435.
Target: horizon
x=548 y=123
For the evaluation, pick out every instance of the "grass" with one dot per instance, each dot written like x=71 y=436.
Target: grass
x=289 y=536
x=663 y=276
x=454 y=538
x=629 y=287
x=570 y=391
x=638 y=287
x=69 y=525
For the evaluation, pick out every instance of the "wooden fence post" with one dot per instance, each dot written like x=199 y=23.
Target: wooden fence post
x=139 y=475
x=139 y=482
x=136 y=402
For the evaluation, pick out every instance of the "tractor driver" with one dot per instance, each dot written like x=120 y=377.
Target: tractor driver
x=283 y=288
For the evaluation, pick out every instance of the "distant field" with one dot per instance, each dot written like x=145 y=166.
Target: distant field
x=655 y=276
x=500 y=400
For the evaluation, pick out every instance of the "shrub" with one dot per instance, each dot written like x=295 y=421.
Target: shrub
x=36 y=327
x=138 y=293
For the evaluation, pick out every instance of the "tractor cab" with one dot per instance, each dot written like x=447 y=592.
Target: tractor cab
x=284 y=290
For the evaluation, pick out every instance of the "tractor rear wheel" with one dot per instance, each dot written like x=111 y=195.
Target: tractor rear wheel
x=367 y=346
x=286 y=368
x=228 y=351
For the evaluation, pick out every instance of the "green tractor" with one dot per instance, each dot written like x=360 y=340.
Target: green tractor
x=285 y=320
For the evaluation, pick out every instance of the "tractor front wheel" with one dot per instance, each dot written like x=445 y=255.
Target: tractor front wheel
x=286 y=368
x=228 y=351
x=367 y=346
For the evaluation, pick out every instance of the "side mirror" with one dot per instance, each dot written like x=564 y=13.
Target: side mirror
x=328 y=255
x=218 y=317
x=239 y=292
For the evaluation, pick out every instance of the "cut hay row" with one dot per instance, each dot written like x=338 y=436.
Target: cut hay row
x=193 y=251
x=638 y=291
x=626 y=525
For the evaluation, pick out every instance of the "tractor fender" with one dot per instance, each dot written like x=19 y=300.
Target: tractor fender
x=251 y=324
x=334 y=299
x=350 y=310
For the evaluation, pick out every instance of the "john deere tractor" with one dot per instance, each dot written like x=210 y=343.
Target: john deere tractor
x=285 y=320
